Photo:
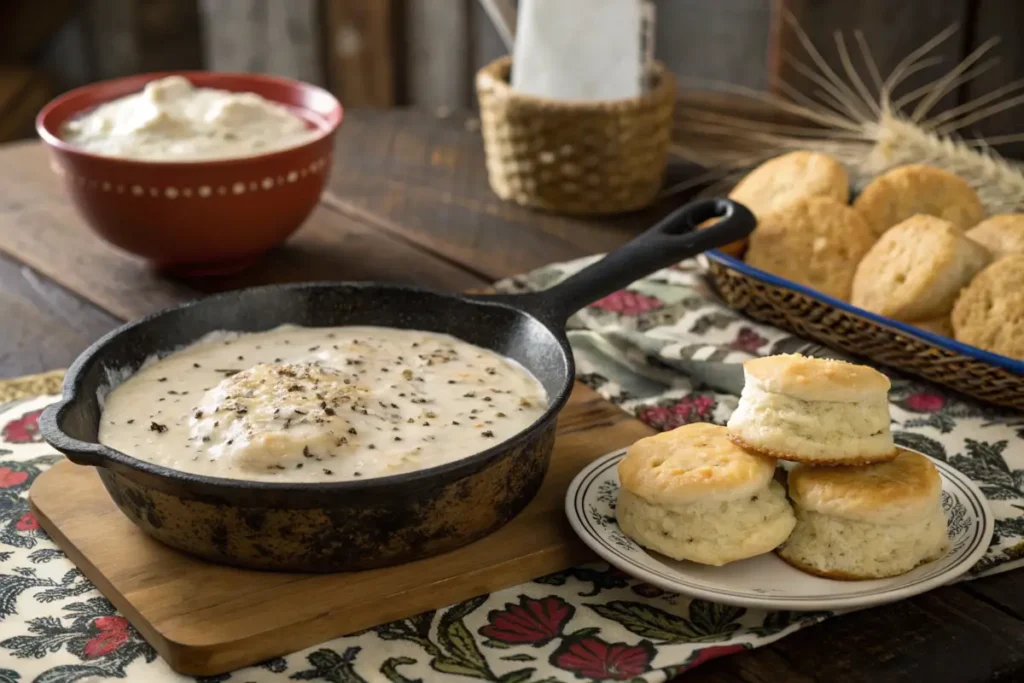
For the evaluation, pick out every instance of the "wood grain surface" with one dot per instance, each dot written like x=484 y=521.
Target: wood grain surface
x=359 y=42
x=205 y=619
x=409 y=201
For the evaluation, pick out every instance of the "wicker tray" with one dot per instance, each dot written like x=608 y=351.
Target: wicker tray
x=767 y=298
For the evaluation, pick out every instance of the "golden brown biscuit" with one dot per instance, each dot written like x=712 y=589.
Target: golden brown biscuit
x=907 y=487
x=796 y=175
x=815 y=241
x=816 y=379
x=784 y=179
x=1002 y=235
x=990 y=312
x=866 y=522
x=915 y=271
x=906 y=191
x=692 y=463
x=693 y=495
x=814 y=410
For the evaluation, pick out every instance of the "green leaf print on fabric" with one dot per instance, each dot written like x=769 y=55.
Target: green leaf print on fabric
x=390 y=670
x=712 y=618
x=944 y=423
x=985 y=464
x=455 y=651
x=602 y=579
x=717 y=320
x=329 y=666
x=517 y=676
x=708 y=621
x=920 y=443
x=461 y=656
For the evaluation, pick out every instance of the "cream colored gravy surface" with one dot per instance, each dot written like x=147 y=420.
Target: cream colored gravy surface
x=298 y=404
x=171 y=120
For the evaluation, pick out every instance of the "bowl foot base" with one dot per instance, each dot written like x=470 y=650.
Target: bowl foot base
x=211 y=269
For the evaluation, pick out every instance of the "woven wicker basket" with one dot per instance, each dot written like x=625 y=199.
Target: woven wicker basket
x=575 y=157
x=804 y=312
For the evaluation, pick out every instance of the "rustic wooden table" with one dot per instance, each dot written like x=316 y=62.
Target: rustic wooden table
x=408 y=202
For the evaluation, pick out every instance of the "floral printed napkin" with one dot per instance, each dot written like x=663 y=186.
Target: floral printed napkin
x=665 y=351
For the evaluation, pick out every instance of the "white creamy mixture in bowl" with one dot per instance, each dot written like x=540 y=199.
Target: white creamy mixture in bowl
x=172 y=120
x=298 y=404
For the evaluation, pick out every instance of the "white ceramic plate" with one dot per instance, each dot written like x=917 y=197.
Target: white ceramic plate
x=766 y=581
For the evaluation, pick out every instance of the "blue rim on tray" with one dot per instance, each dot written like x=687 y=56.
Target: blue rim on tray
x=987 y=376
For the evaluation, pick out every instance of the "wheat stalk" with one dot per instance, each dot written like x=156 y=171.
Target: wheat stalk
x=861 y=123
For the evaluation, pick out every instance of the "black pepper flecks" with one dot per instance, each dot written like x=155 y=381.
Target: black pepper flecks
x=157 y=427
x=488 y=433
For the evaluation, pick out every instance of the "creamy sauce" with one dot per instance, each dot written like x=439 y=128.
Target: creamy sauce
x=170 y=120
x=298 y=404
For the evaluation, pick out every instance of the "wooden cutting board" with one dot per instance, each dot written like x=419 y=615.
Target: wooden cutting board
x=206 y=619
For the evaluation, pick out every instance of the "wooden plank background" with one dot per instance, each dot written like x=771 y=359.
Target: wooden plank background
x=423 y=53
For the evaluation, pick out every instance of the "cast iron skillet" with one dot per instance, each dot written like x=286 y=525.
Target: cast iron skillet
x=389 y=520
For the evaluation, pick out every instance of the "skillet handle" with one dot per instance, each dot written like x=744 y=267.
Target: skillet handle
x=673 y=239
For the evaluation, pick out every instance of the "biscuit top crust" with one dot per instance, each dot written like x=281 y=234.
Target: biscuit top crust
x=1002 y=235
x=905 y=191
x=990 y=311
x=693 y=463
x=900 y=491
x=789 y=177
x=816 y=379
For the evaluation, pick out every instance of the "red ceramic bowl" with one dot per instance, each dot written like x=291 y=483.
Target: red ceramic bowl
x=196 y=216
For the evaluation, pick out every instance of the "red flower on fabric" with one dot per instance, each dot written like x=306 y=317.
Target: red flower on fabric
x=111 y=633
x=748 y=340
x=923 y=402
x=591 y=657
x=24 y=429
x=531 y=622
x=692 y=408
x=709 y=653
x=10 y=478
x=28 y=522
x=626 y=302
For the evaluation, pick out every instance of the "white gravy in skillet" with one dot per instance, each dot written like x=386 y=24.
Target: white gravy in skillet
x=298 y=404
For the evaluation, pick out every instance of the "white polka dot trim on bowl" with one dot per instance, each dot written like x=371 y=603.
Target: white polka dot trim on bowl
x=239 y=187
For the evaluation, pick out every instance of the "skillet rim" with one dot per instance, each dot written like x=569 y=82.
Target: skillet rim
x=72 y=394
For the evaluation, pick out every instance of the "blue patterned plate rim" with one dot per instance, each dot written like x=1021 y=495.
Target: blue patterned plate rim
x=962 y=349
x=959 y=492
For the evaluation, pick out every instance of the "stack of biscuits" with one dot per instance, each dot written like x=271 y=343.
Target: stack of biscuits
x=914 y=245
x=854 y=507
